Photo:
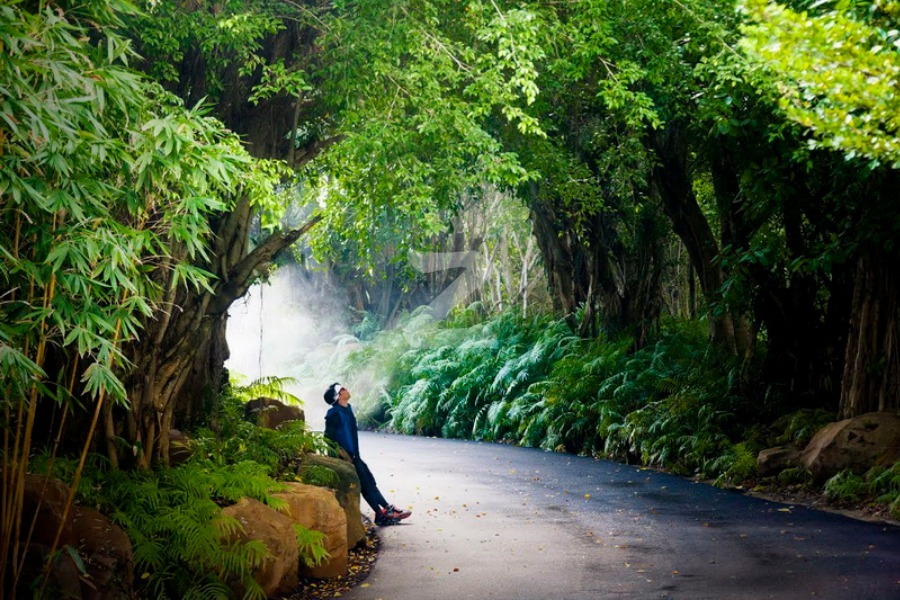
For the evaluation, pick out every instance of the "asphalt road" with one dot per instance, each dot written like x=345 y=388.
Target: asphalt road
x=493 y=521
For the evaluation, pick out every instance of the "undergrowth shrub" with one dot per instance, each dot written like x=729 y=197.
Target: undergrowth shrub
x=233 y=439
x=180 y=535
x=737 y=464
x=585 y=394
x=879 y=485
x=673 y=403
x=798 y=427
x=173 y=516
x=846 y=486
x=472 y=381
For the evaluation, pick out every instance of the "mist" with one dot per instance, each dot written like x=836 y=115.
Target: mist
x=293 y=326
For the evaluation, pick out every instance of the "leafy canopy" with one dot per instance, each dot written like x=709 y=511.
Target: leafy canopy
x=837 y=67
x=107 y=184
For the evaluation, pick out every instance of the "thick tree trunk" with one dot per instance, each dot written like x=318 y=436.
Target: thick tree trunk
x=785 y=300
x=672 y=181
x=180 y=360
x=572 y=267
x=618 y=290
x=871 y=379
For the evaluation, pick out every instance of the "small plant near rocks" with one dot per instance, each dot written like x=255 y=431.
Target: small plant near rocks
x=879 y=486
x=794 y=476
x=798 y=427
x=846 y=486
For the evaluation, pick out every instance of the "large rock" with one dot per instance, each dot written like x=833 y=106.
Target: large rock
x=272 y=414
x=857 y=444
x=775 y=460
x=347 y=493
x=44 y=501
x=317 y=508
x=64 y=579
x=107 y=555
x=278 y=573
x=102 y=546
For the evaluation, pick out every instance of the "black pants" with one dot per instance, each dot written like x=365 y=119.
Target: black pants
x=368 y=487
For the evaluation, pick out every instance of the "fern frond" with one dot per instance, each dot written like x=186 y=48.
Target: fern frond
x=266 y=387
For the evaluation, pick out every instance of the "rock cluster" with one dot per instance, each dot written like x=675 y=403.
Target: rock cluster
x=857 y=444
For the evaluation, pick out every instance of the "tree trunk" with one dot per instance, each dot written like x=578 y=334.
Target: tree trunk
x=617 y=286
x=871 y=379
x=672 y=181
x=179 y=362
x=560 y=261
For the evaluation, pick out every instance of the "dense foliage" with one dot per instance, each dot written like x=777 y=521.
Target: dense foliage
x=532 y=382
x=106 y=187
x=529 y=381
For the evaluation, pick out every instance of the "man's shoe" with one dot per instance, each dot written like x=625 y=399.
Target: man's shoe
x=395 y=513
x=383 y=518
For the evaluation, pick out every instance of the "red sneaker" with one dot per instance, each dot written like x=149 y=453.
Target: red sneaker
x=394 y=513
x=383 y=518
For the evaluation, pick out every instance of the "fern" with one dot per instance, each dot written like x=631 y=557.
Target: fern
x=311 y=545
x=175 y=521
x=237 y=440
x=846 y=486
x=265 y=387
x=319 y=475
x=530 y=381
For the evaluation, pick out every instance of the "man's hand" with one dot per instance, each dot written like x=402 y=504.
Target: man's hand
x=345 y=455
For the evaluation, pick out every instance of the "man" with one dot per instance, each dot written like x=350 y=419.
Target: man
x=340 y=426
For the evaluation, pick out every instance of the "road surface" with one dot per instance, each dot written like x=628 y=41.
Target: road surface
x=494 y=521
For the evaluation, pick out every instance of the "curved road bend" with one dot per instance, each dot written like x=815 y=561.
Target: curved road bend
x=494 y=521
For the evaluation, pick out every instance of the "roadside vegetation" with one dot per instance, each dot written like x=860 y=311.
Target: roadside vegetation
x=673 y=404
x=173 y=516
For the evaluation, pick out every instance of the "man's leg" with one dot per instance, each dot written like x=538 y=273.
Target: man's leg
x=368 y=487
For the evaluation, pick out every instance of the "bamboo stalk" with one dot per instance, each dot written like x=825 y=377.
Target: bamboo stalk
x=56 y=442
x=81 y=461
x=7 y=506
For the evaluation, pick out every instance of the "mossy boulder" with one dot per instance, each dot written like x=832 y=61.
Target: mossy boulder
x=347 y=493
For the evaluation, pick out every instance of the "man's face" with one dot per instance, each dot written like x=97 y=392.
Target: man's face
x=344 y=396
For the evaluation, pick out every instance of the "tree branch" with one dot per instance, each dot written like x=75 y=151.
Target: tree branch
x=240 y=277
